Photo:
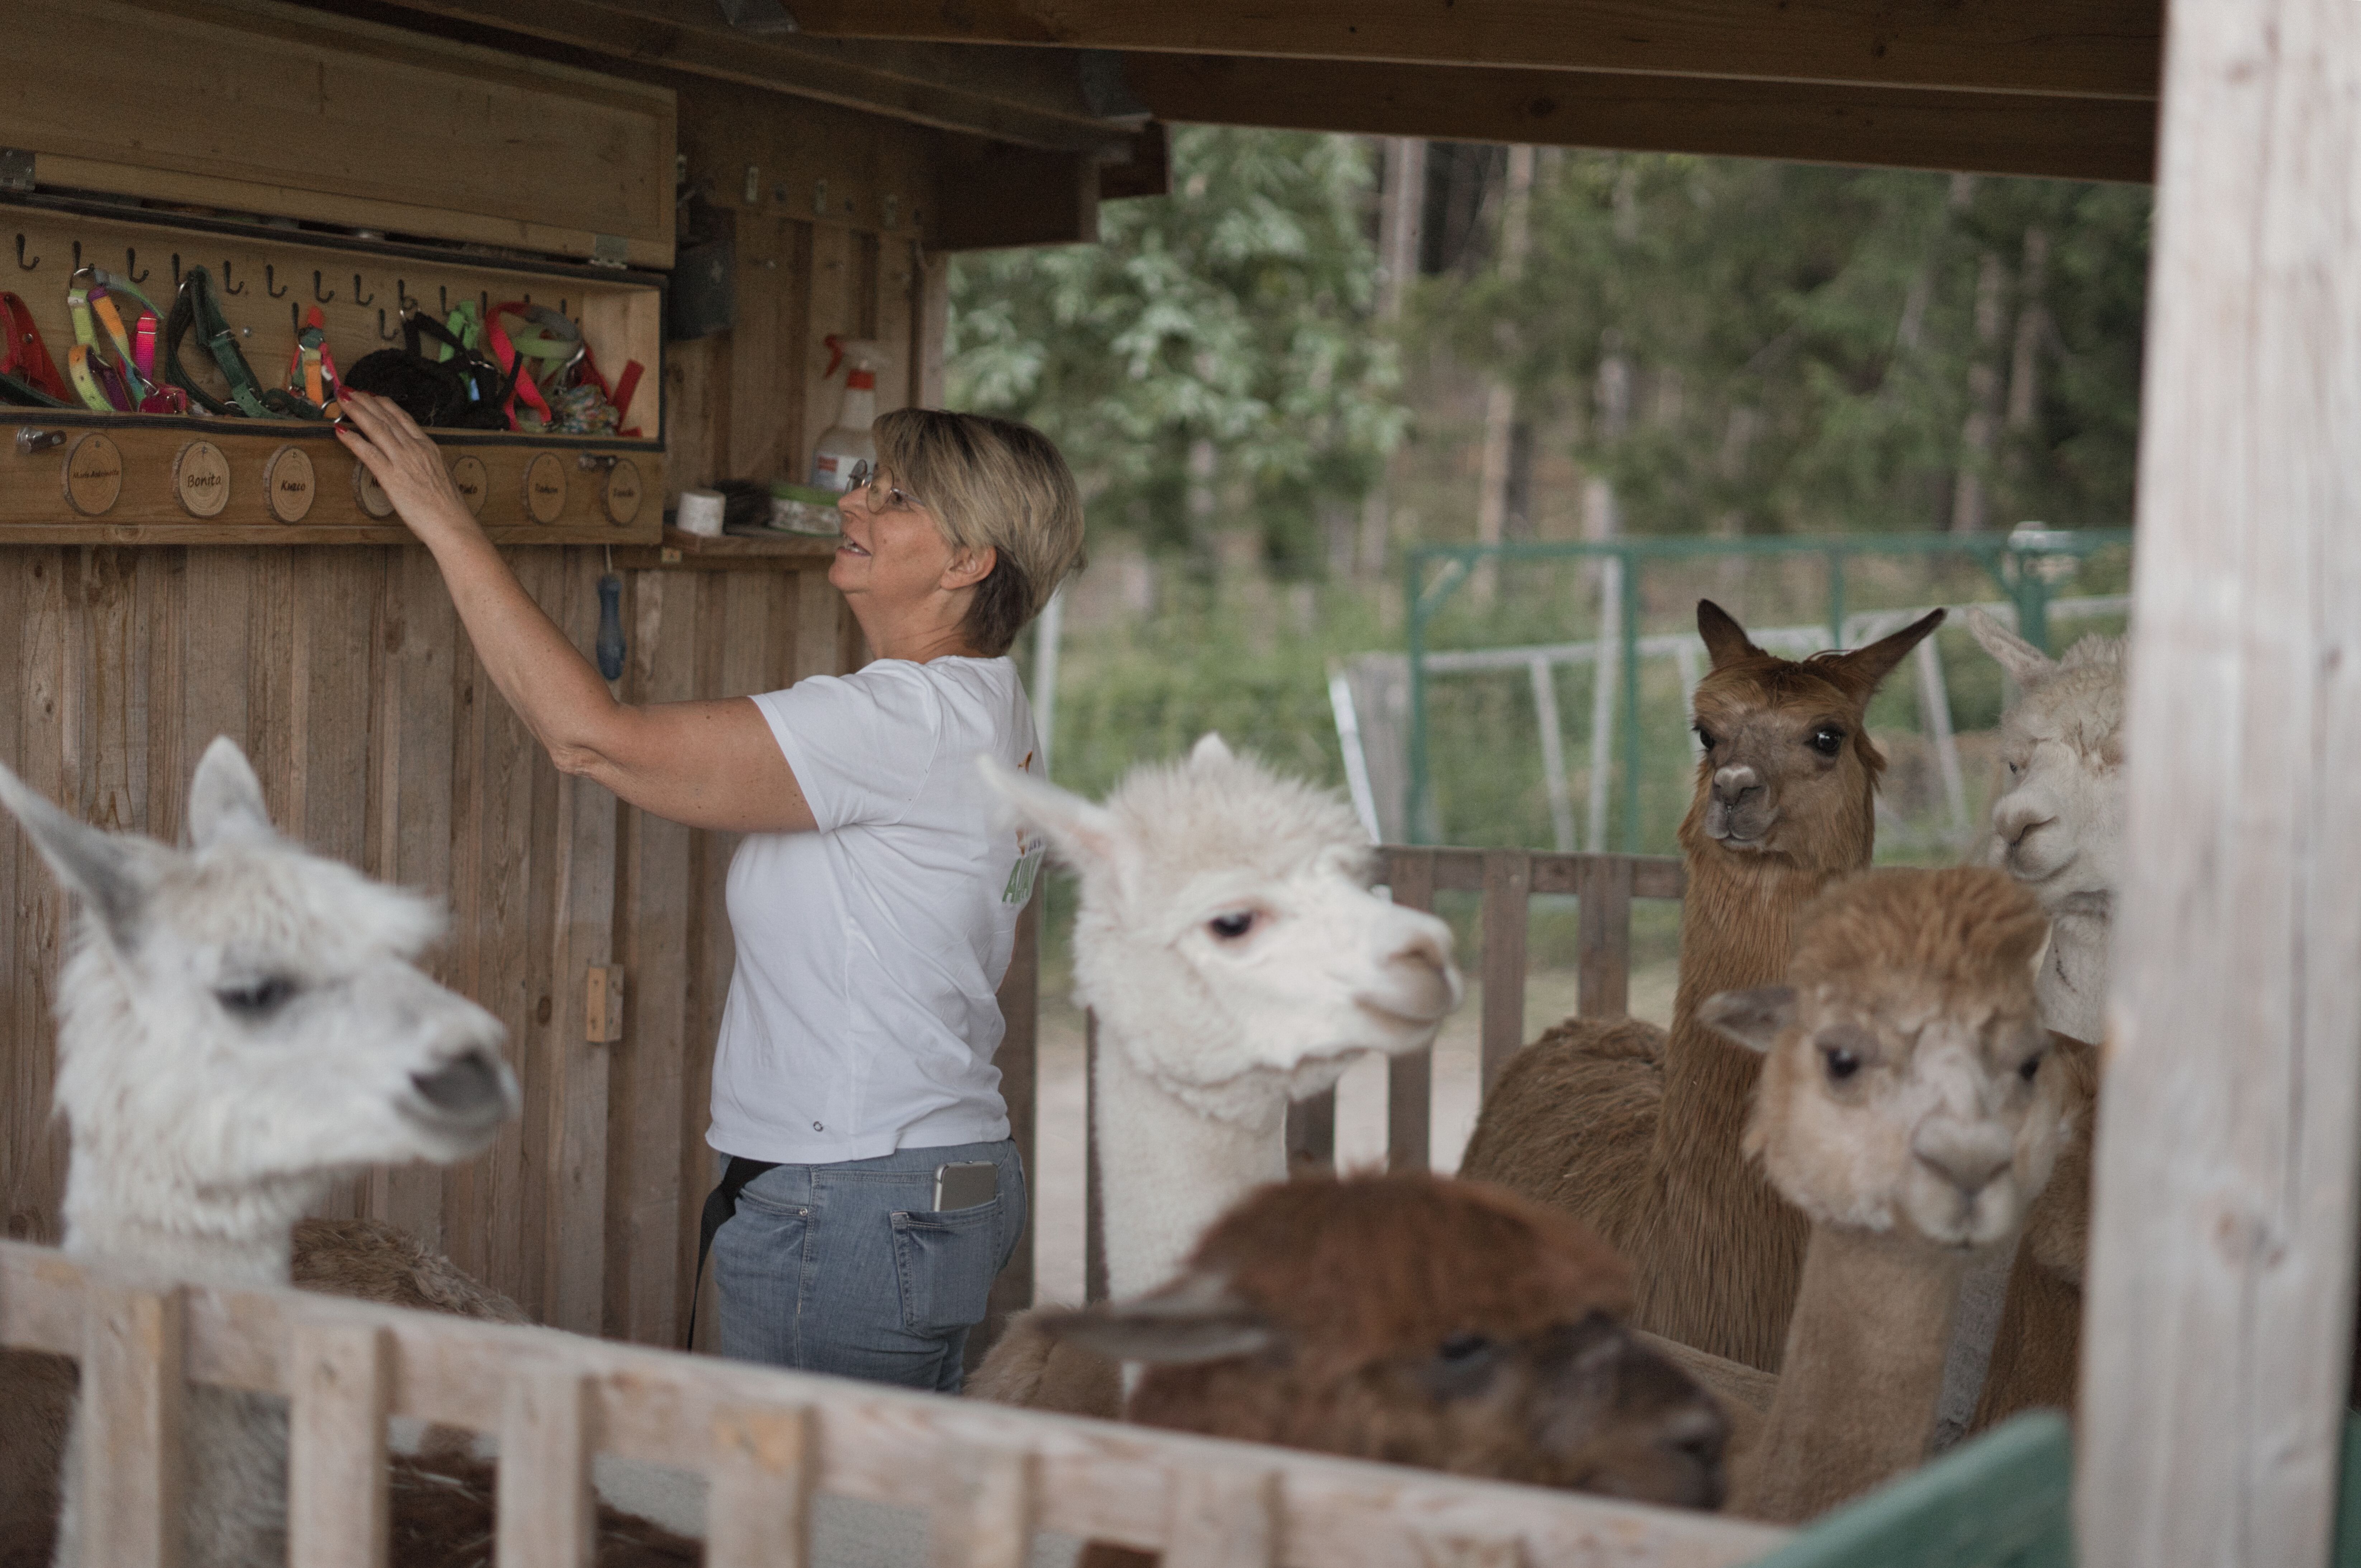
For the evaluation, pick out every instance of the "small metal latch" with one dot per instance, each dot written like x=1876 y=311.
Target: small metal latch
x=16 y=168
x=589 y=460
x=30 y=439
x=609 y=250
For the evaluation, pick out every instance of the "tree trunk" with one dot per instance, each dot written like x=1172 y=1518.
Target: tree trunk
x=1971 y=503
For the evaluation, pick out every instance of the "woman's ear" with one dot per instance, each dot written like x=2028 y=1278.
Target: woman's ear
x=968 y=567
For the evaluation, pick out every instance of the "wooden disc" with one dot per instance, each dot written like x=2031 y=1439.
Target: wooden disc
x=369 y=493
x=623 y=490
x=94 y=475
x=545 y=487
x=290 y=483
x=468 y=473
x=201 y=478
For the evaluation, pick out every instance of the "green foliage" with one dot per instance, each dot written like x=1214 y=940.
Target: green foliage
x=1231 y=317
x=1795 y=347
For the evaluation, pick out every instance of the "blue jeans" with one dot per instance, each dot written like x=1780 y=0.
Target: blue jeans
x=846 y=1268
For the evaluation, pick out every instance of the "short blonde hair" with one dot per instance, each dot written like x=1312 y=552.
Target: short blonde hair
x=997 y=484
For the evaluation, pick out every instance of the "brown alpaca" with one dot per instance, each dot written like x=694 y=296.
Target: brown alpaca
x=1912 y=1108
x=2036 y=1352
x=1636 y=1132
x=1416 y=1320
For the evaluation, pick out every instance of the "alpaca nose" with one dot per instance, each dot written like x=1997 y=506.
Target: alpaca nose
x=2017 y=818
x=1422 y=983
x=1736 y=786
x=1968 y=1157
x=472 y=1089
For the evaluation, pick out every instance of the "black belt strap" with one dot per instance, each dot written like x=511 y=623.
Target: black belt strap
x=719 y=1204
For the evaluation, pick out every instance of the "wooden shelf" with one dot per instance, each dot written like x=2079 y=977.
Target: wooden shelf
x=731 y=553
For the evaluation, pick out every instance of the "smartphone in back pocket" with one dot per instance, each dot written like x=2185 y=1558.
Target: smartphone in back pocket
x=964 y=1183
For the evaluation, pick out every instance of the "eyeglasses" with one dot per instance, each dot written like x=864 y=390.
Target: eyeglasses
x=865 y=476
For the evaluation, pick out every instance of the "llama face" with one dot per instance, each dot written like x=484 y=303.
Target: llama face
x=1787 y=770
x=245 y=1013
x=1228 y=936
x=1910 y=1087
x=2058 y=821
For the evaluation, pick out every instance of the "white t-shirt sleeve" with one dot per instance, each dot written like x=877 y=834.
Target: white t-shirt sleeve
x=860 y=745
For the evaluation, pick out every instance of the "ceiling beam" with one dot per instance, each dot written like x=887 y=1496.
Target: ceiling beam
x=2079 y=48
x=1984 y=133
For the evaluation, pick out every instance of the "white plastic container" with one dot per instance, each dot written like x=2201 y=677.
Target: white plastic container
x=848 y=441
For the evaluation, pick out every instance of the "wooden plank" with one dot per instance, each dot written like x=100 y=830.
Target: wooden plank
x=580 y=154
x=758 y=1504
x=834 y=296
x=1223 y=1518
x=548 y=1033
x=27 y=1201
x=467 y=968
x=36 y=1166
x=545 y=1507
x=1410 y=1078
x=1017 y=1060
x=894 y=271
x=113 y=734
x=1881 y=126
x=1099 y=1480
x=1603 y=982
x=2225 y=1206
x=986 y=1503
x=135 y=1396
x=336 y=1496
x=1508 y=884
x=2105 y=48
x=770 y=285
x=159 y=605
x=934 y=320
x=579 y=1067
x=990 y=195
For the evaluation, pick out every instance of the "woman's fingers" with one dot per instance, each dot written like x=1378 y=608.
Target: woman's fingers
x=407 y=464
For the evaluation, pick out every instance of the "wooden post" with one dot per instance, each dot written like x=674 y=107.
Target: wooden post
x=1603 y=983
x=2220 y=1283
x=545 y=1500
x=1223 y=1519
x=984 y=1504
x=1508 y=884
x=1410 y=1078
x=134 y=1397
x=337 y=1502
x=759 y=1504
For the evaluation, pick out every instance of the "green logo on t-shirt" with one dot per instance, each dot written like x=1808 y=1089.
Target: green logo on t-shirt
x=1020 y=875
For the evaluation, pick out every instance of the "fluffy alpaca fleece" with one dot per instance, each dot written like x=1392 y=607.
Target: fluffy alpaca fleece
x=372 y=1261
x=238 y=1024
x=1420 y=1321
x=1229 y=945
x=1912 y=1107
x=1636 y=1132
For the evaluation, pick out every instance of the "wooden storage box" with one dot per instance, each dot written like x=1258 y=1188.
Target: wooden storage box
x=585 y=490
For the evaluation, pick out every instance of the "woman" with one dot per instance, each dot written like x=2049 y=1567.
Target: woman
x=873 y=900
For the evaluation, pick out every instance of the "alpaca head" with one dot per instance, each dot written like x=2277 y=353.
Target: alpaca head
x=1420 y=1321
x=1909 y=1087
x=2058 y=822
x=241 y=1019
x=1228 y=936
x=1789 y=769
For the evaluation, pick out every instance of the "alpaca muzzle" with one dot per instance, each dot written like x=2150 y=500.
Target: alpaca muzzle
x=471 y=1094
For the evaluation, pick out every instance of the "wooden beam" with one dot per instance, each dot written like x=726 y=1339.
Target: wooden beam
x=1984 y=133
x=2220 y=1302
x=2074 y=47
x=989 y=195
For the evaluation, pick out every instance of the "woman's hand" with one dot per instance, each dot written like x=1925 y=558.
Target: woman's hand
x=407 y=465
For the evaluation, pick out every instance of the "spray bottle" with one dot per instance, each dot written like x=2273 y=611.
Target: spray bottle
x=848 y=442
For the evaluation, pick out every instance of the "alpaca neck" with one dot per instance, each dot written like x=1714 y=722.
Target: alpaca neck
x=1862 y=1372
x=116 y=1210
x=2073 y=987
x=1166 y=1170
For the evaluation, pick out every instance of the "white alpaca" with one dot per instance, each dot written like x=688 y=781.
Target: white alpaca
x=1229 y=945
x=238 y=1024
x=2057 y=823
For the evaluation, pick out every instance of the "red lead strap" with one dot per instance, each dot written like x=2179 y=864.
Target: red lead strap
x=23 y=355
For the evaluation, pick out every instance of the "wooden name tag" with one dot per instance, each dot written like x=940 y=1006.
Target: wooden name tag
x=288 y=482
x=469 y=473
x=545 y=487
x=201 y=480
x=624 y=491
x=94 y=475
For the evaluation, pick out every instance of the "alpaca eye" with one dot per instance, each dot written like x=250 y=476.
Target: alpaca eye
x=258 y=1000
x=1705 y=736
x=1842 y=1063
x=1828 y=740
x=1462 y=1347
x=1230 y=927
x=2032 y=1067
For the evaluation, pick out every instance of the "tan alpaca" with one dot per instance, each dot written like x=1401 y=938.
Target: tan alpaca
x=1912 y=1107
x=1636 y=1132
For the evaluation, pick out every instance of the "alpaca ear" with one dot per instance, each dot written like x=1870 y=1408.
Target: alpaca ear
x=225 y=798
x=1864 y=667
x=112 y=872
x=1196 y=1319
x=1083 y=834
x=1725 y=640
x=1210 y=747
x=2026 y=663
x=1754 y=1019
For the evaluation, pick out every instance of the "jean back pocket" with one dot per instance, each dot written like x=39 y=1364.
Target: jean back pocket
x=945 y=1263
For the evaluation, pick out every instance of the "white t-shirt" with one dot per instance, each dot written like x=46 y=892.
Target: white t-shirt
x=861 y=1018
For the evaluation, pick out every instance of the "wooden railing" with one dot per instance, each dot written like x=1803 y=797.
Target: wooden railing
x=766 y=1441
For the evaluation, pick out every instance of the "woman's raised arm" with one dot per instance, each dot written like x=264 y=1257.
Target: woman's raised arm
x=707 y=764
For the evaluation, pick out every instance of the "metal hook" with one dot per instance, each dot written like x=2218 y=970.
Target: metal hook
x=27 y=265
x=294 y=318
x=131 y=266
x=269 y=280
x=401 y=297
x=383 y=335
x=359 y=298
x=443 y=298
x=228 y=287
x=77 y=245
x=327 y=299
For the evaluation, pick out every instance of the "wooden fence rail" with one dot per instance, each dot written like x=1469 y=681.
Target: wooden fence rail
x=767 y=1442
